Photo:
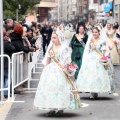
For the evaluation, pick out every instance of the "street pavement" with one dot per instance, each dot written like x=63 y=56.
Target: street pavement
x=106 y=107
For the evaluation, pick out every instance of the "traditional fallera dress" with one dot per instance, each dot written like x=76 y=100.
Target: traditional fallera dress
x=54 y=91
x=117 y=37
x=115 y=56
x=77 y=51
x=93 y=77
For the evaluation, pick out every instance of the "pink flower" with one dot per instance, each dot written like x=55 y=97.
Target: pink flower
x=104 y=58
x=75 y=66
x=71 y=68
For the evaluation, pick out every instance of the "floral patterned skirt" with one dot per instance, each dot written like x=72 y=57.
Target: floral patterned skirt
x=93 y=77
x=54 y=92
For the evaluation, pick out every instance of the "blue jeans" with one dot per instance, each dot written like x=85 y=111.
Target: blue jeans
x=6 y=81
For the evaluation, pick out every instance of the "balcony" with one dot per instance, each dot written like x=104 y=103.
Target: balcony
x=47 y=4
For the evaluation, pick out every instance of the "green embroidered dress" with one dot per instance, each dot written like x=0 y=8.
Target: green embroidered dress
x=77 y=51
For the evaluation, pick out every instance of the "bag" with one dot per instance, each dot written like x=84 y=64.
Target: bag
x=78 y=55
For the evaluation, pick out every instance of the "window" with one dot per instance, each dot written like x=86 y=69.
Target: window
x=73 y=12
x=101 y=2
x=106 y=1
x=95 y=1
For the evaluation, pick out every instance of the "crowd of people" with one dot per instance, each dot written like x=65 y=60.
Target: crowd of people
x=18 y=37
x=75 y=60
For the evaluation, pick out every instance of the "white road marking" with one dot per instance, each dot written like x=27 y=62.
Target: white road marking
x=115 y=94
x=85 y=104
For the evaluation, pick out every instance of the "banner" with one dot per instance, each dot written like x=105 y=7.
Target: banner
x=107 y=7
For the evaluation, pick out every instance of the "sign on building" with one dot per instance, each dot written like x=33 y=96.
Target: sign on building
x=107 y=7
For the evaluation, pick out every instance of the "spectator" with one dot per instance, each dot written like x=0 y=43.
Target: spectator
x=46 y=34
x=16 y=38
x=29 y=35
x=36 y=32
x=9 y=49
x=26 y=41
x=9 y=26
x=15 y=23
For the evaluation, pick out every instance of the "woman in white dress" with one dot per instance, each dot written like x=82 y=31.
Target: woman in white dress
x=54 y=92
x=94 y=77
x=114 y=53
x=117 y=38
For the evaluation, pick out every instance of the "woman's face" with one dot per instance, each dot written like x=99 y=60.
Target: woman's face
x=109 y=26
x=81 y=29
x=55 y=39
x=95 y=33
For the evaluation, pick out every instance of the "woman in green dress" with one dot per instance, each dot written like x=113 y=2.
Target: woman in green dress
x=78 y=43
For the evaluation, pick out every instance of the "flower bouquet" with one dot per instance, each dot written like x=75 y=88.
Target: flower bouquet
x=104 y=60
x=70 y=69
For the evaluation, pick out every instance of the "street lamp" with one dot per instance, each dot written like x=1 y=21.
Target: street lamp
x=19 y=7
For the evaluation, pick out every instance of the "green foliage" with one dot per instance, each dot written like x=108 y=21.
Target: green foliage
x=10 y=6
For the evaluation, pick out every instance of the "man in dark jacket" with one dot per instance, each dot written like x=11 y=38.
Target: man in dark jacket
x=9 y=49
x=46 y=34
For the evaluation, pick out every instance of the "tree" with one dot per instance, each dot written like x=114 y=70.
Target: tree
x=10 y=6
x=27 y=5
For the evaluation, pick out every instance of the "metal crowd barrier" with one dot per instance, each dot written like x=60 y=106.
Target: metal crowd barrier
x=22 y=69
x=2 y=89
x=33 y=65
x=20 y=65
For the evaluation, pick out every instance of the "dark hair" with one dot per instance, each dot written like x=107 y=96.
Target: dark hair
x=34 y=24
x=80 y=24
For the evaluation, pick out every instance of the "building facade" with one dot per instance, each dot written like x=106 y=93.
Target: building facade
x=71 y=10
x=46 y=10
x=63 y=10
x=117 y=11
x=104 y=7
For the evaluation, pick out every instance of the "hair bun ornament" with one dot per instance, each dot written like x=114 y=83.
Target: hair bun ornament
x=99 y=28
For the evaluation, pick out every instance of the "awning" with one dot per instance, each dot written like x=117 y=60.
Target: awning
x=47 y=4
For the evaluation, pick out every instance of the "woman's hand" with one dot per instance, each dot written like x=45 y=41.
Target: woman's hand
x=37 y=47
